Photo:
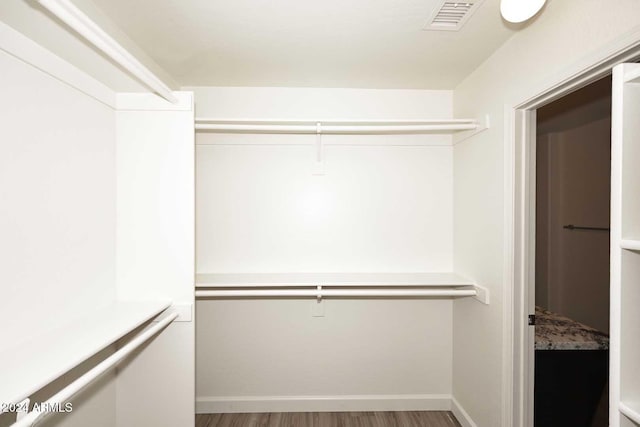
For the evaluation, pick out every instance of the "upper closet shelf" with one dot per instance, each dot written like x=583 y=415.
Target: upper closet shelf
x=339 y=127
x=32 y=365
x=82 y=24
x=225 y=280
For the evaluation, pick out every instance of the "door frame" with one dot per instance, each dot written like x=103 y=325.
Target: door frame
x=520 y=181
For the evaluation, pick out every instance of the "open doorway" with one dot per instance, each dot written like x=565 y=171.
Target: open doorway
x=572 y=263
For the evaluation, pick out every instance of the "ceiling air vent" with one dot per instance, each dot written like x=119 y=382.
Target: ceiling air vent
x=451 y=15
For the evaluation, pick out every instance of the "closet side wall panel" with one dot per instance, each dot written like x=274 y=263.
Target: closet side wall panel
x=155 y=241
x=563 y=35
x=377 y=208
x=57 y=220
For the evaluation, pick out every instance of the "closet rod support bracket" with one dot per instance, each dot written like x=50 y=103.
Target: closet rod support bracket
x=482 y=294
x=319 y=163
x=184 y=312
x=317 y=310
x=484 y=123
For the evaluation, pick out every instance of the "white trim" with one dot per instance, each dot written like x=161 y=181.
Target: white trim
x=615 y=266
x=529 y=131
x=508 y=395
x=21 y=47
x=68 y=13
x=461 y=415
x=348 y=403
x=591 y=68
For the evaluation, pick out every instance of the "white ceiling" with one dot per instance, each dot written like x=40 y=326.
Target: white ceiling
x=322 y=43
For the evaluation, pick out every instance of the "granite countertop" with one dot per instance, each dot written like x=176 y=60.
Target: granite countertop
x=556 y=332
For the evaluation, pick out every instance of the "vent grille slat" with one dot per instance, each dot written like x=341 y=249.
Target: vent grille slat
x=450 y=15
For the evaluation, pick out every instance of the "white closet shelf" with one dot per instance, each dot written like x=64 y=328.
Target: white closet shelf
x=29 y=366
x=254 y=280
x=632 y=245
x=630 y=411
x=226 y=285
x=336 y=126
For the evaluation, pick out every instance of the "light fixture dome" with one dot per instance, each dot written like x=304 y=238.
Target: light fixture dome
x=519 y=10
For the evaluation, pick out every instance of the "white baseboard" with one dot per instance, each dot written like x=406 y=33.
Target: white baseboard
x=246 y=404
x=461 y=415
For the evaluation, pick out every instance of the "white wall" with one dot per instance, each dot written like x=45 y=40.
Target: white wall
x=260 y=208
x=559 y=37
x=57 y=186
x=57 y=221
x=377 y=208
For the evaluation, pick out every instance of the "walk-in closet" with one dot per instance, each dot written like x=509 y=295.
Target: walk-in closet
x=247 y=213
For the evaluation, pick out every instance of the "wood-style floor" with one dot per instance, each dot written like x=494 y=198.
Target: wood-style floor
x=331 y=419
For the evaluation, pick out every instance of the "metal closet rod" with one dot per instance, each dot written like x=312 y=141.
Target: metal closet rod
x=630 y=413
x=64 y=395
x=578 y=227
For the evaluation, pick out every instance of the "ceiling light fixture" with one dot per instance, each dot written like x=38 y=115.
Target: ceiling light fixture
x=517 y=11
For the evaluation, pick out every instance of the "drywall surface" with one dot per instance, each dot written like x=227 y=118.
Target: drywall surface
x=57 y=221
x=378 y=207
x=389 y=354
x=563 y=34
x=261 y=209
x=321 y=103
x=574 y=273
x=57 y=185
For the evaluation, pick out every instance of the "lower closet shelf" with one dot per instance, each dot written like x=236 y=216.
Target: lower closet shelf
x=30 y=366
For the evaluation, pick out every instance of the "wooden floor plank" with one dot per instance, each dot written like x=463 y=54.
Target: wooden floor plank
x=330 y=419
